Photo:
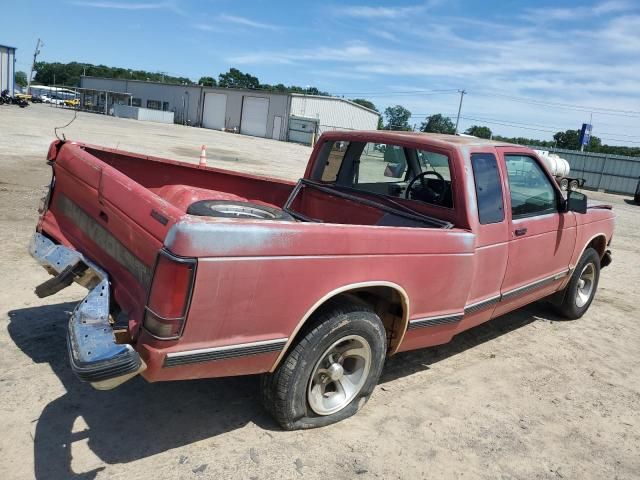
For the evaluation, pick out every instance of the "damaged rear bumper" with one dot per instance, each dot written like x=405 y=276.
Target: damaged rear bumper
x=94 y=355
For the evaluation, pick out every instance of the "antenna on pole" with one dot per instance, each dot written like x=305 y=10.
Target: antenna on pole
x=462 y=93
x=39 y=44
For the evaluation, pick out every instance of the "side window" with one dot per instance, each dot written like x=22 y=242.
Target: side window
x=136 y=102
x=531 y=190
x=380 y=163
x=436 y=162
x=488 y=188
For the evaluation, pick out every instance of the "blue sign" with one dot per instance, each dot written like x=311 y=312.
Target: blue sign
x=585 y=134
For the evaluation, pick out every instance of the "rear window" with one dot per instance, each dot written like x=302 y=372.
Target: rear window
x=488 y=188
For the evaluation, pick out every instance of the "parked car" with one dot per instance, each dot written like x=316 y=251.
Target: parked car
x=53 y=99
x=392 y=241
x=71 y=102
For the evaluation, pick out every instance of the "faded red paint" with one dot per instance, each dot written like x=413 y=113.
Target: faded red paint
x=258 y=280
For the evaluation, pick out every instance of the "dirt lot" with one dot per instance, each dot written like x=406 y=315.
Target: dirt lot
x=525 y=396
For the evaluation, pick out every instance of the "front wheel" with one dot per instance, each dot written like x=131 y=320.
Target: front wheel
x=331 y=371
x=581 y=289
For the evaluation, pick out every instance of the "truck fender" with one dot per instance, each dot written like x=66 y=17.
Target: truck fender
x=398 y=331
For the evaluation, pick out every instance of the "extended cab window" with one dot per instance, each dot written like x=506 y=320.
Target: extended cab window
x=386 y=169
x=531 y=190
x=488 y=188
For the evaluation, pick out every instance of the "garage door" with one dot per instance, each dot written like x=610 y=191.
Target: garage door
x=215 y=110
x=255 y=111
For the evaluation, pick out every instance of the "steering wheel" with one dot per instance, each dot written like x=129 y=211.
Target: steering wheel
x=435 y=196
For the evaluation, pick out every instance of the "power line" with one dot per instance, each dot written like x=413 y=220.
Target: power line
x=388 y=94
x=513 y=123
x=523 y=127
x=566 y=106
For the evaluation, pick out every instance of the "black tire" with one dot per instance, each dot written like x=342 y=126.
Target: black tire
x=235 y=209
x=564 y=184
x=284 y=392
x=570 y=306
x=574 y=185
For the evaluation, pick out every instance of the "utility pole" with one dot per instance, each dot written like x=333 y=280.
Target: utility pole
x=33 y=65
x=462 y=93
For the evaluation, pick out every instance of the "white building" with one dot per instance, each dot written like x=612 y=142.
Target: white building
x=334 y=113
x=7 y=68
x=260 y=113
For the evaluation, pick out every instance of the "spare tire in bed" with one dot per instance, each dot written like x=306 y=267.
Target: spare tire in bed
x=235 y=209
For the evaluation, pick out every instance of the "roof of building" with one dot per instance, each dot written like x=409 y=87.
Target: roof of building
x=7 y=46
x=324 y=97
x=192 y=85
x=257 y=90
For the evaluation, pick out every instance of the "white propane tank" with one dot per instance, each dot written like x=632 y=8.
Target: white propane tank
x=558 y=166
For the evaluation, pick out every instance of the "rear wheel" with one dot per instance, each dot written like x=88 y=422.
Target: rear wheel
x=579 y=293
x=331 y=371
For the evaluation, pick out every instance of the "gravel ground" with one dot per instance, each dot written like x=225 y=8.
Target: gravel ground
x=524 y=396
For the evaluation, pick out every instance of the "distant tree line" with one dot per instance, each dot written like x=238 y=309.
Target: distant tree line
x=234 y=78
x=397 y=118
x=68 y=74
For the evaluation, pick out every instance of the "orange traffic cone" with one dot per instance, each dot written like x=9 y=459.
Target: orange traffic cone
x=203 y=156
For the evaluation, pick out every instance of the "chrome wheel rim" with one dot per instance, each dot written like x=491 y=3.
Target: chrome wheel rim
x=242 y=211
x=339 y=375
x=585 y=285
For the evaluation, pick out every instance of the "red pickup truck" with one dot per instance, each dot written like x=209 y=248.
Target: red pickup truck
x=392 y=241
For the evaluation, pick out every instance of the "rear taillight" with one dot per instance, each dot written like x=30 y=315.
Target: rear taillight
x=170 y=295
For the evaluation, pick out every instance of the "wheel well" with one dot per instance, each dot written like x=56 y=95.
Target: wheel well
x=599 y=244
x=389 y=303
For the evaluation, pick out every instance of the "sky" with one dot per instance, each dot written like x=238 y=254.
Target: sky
x=529 y=68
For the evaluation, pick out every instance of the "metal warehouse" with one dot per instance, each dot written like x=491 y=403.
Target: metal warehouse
x=7 y=68
x=258 y=113
x=334 y=113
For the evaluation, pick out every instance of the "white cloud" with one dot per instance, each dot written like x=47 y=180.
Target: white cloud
x=542 y=15
x=130 y=6
x=367 y=12
x=246 y=22
x=347 y=53
x=124 y=5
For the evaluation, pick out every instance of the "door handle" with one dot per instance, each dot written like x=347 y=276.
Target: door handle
x=520 y=231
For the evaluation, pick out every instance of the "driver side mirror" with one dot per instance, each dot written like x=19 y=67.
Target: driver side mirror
x=576 y=202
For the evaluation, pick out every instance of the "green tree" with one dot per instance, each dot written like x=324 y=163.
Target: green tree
x=532 y=142
x=21 y=79
x=397 y=118
x=234 y=78
x=365 y=103
x=570 y=139
x=438 y=123
x=207 y=81
x=49 y=73
x=479 y=131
